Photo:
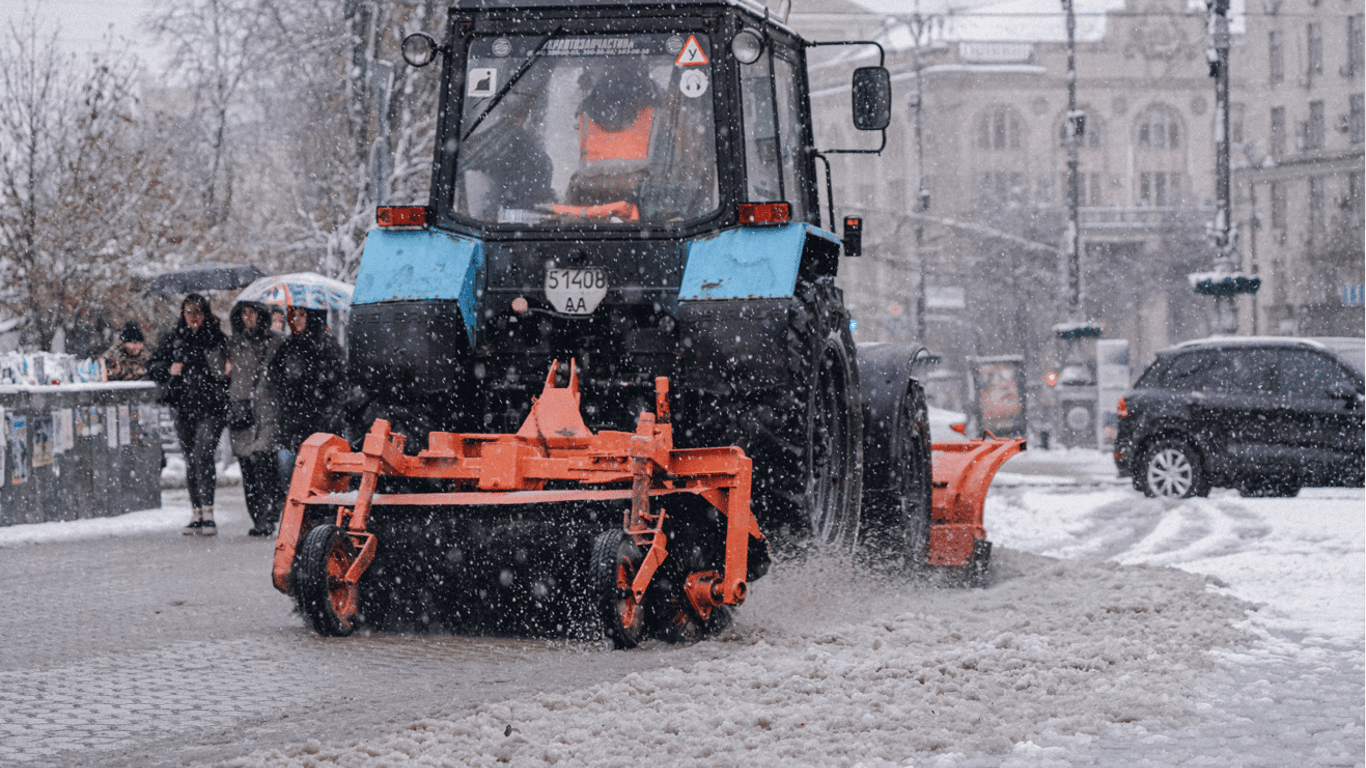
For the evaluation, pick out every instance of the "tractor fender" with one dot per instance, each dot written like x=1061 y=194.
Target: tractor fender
x=423 y=266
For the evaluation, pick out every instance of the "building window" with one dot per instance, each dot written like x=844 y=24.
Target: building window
x=1277 y=140
x=1159 y=189
x=1235 y=123
x=1095 y=189
x=1314 y=48
x=1158 y=129
x=1276 y=56
x=1278 y=205
x=1001 y=188
x=1314 y=129
x=999 y=129
x=1356 y=45
x=1358 y=118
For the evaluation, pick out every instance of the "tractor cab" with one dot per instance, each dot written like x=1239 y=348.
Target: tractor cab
x=621 y=117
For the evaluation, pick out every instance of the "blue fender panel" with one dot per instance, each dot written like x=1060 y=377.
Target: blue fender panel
x=422 y=265
x=747 y=263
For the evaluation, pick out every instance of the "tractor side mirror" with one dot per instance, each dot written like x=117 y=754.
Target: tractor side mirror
x=872 y=98
x=419 y=49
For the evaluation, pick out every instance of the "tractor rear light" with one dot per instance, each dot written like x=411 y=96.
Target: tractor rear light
x=1122 y=409
x=758 y=214
x=853 y=236
x=388 y=216
x=960 y=427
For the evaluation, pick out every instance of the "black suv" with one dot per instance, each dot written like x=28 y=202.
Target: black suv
x=1264 y=415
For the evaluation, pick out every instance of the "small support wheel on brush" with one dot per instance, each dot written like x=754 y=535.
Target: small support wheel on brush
x=328 y=603
x=615 y=560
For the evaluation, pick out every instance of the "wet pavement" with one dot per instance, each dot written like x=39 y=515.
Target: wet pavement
x=162 y=650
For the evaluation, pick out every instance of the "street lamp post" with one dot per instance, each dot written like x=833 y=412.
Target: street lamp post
x=1077 y=398
x=1076 y=125
x=919 y=25
x=1224 y=283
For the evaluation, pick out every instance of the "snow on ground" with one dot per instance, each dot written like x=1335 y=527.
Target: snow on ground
x=1118 y=631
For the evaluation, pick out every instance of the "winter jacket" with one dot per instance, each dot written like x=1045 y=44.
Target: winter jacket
x=251 y=350
x=308 y=373
x=201 y=389
x=121 y=366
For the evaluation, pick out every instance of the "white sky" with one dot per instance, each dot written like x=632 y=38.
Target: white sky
x=84 y=24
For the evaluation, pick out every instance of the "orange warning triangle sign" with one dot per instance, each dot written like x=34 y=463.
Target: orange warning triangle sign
x=692 y=54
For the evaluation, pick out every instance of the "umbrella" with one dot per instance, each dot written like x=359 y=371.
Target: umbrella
x=207 y=276
x=301 y=289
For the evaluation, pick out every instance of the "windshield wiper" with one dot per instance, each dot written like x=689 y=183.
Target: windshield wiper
x=522 y=70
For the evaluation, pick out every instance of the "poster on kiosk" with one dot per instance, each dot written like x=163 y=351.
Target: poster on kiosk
x=998 y=394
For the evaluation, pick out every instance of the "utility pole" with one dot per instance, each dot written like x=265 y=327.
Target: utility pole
x=1224 y=283
x=919 y=26
x=1077 y=380
x=1076 y=126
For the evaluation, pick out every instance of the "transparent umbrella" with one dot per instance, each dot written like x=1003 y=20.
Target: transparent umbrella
x=301 y=289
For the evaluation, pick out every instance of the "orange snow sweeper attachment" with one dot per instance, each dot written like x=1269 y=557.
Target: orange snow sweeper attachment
x=962 y=473
x=328 y=535
x=552 y=458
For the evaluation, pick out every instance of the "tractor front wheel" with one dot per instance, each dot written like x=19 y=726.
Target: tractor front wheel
x=328 y=603
x=615 y=561
x=834 y=455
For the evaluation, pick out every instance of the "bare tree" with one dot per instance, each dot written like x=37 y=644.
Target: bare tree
x=215 y=49
x=85 y=200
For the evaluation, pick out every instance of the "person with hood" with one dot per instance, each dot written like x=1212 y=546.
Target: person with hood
x=308 y=374
x=253 y=413
x=192 y=365
x=127 y=360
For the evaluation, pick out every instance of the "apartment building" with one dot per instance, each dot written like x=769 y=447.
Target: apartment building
x=1298 y=130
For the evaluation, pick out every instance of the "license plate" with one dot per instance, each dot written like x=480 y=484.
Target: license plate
x=576 y=291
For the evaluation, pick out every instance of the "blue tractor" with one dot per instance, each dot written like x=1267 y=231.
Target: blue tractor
x=635 y=186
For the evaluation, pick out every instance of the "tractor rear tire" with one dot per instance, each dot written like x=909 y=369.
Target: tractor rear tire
x=615 y=561
x=329 y=605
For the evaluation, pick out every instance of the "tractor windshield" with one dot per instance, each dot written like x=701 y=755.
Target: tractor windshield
x=566 y=130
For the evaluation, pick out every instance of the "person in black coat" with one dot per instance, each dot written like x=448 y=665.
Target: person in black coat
x=308 y=373
x=192 y=366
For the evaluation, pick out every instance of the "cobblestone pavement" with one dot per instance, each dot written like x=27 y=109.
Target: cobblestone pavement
x=162 y=650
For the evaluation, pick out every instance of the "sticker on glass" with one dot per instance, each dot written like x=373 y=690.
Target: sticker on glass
x=674 y=44
x=482 y=82
x=692 y=54
x=502 y=46
x=693 y=83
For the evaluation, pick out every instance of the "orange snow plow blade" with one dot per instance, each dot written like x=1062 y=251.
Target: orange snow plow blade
x=962 y=473
x=552 y=448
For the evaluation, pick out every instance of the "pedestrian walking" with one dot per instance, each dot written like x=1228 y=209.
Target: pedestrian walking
x=192 y=366
x=127 y=360
x=308 y=373
x=253 y=413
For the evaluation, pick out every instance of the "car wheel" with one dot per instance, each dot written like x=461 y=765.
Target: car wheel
x=1172 y=469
